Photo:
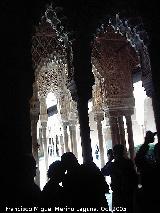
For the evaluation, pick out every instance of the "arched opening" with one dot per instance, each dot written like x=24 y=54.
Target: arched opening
x=18 y=75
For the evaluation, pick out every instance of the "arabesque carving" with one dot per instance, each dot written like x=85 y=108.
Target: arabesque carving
x=114 y=59
x=97 y=92
x=45 y=43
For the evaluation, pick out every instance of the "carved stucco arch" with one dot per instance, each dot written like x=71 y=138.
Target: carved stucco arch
x=50 y=61
x=118 y=93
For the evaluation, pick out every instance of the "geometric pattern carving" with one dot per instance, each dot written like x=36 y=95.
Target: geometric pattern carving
x=44 y=43
x=97 y=92
x=138 y=38
x=115 y=59
x=51 y=78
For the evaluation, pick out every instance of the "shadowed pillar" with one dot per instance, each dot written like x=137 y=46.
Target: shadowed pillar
x=44 y=119
x=114 y=130
x=34 y=115
x=72 y=129
x=84 y=80
x=130 y=136
x=65 y=124
x=85 y=131
x=99 y=118
x=121 y=130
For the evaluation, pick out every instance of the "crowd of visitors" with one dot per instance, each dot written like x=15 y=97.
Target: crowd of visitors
x=75 y=186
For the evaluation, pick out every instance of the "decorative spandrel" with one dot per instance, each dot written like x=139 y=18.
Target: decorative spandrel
x=45 y=42
x=132 y=32
x=51 y=77
x=115 y=58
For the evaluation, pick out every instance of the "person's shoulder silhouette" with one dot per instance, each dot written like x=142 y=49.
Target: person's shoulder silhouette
x=106 y=170
x=72 y=178
x=52 y=193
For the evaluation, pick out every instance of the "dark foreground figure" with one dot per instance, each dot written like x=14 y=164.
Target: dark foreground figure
x=53 y=193
x=149 y=169
x=84 y=185
x=123 y=180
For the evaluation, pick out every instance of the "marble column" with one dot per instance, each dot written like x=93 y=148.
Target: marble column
x=121 y=130
x=130 y=136
x=72 y=129
x=34 y=116
x=84 y=80
x=65 y=124
x=84 y=130
x=99 y=118
x=114 y=130
x=35 y=148
x=44 y=142
x=62 y=144
x=44 y=119
x=40 y=139
x=71 y=138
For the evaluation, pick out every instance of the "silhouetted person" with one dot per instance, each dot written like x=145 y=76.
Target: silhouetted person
x=106 y=169
x=123 y=179
x=97 y=152
x=71 y=182
x=53 y=193
x=93 y=187
x=149 y=173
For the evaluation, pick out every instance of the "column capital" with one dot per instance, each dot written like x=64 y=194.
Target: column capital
x=65 y=123
x=117 y=112
x=43 y=118
x=44 y=124
x=99 y=116
x=34 y=107
x=72 y=123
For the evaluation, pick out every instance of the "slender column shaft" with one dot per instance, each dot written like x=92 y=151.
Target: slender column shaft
x=84 y=130
x=100 y=138
x=44 y=141
x=121 y=130
x=62 y=144
x=35 y=149
x=65 y=137
x=54 y=146
x=114 y=130
x=73 y=139
x=130 y=136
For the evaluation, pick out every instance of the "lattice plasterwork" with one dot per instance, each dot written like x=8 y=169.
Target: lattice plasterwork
x=114 y=60
x=138 y=38
x=44 y=43
x=97 y=92
x=51 y=78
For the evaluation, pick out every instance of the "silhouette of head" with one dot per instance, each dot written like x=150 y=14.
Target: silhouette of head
x=149 y=138
x=110 y=154
x=118 y=151
x=56 y=170
x=69 y=160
